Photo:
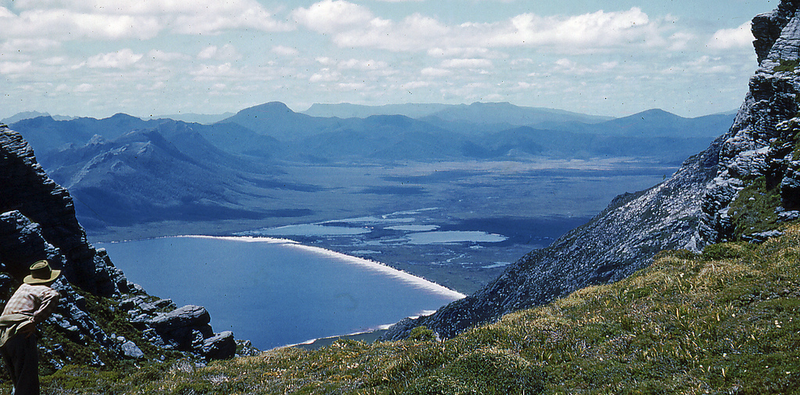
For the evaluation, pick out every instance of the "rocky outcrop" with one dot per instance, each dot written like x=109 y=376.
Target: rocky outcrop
x=28 y=190
x=762 y=141
x=687 y=211
x=37 y=221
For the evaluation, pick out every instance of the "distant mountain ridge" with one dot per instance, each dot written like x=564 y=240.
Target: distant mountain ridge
x=124 y=170
x=478 y=112
x=33 y=114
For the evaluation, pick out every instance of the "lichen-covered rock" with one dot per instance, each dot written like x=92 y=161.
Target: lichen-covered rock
x=761 y=142
x=131 y=350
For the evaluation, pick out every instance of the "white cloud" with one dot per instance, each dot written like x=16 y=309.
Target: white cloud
x=325 y=75
x=142 y=19
x=414 y=33
x=435 y=72
x=332 y=16
x=25 y=45
x=84 y=88
x=732 y=38
x=226 y=52
x=216 y=72
x=467 y=63
x=118 y=60
x=6 y=13
x=465 y=52
x=352 y=25
x=357 y=64
x=324 y=60
x=285 y=51
x=55 y=61
x=351 y=86
x=598 y=29
x=14 y=67
x=64 y=24
x=570 y=67
x=415 y=85
x=161 y=56
x=157 y=86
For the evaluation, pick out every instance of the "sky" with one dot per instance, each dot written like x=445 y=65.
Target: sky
x=155 y=57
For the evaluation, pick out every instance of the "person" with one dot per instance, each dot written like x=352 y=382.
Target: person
x=31 y=304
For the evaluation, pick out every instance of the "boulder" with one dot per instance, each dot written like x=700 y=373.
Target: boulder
x=131 y=350
x=185 y=317
x=219 y=346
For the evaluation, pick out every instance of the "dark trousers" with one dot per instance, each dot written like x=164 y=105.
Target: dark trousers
x=22 y=362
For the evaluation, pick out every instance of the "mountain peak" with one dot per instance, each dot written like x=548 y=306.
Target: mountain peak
x=273 y=108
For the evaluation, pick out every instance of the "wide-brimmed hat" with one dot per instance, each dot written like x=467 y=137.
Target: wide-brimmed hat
x=41 y=273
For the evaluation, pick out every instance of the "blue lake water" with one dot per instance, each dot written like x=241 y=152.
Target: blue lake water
x=276 y=292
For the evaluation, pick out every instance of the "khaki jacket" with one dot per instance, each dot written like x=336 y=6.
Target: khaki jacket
x=11 y=324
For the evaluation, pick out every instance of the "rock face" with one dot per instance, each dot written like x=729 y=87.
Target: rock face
x=37 y=221
x=28 y=191
x=762 y=141
x=687 y=211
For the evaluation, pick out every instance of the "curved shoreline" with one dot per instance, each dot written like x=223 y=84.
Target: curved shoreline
x=406 y=277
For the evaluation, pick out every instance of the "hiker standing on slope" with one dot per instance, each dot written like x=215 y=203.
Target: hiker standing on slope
x=31 y=304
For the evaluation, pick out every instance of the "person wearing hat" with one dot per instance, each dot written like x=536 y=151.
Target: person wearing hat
x=31 y=304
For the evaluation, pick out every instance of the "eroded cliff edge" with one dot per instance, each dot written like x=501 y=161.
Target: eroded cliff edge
x=742 y=187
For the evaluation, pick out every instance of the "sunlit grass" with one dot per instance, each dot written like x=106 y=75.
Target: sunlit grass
x=725 y=321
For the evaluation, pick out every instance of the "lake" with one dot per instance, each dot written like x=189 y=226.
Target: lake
x=276 y=292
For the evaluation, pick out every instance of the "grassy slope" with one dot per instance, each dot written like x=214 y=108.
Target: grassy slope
x=725 y=321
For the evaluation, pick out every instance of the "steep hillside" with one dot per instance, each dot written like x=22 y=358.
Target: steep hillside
x=168 y=173
x=721 y=322
x=743 y=186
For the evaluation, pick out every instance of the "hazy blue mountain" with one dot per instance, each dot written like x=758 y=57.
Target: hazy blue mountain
x=473 y=114
x=272 y=131
x=526 y=141
x=203 y=119
x=32 y=114
x=655 y=123
x=237 y=139
x=306 y=138
x=347 y=110
x=383 y=137
x=167 y=173
x=46 y=133
x=276 y=120
x=507 y=113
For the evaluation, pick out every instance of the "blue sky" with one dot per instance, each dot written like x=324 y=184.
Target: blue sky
x=151 y=57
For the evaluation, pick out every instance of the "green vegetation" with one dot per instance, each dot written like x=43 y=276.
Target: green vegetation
x=753 y=210
x=787 y=65
x=725 y=321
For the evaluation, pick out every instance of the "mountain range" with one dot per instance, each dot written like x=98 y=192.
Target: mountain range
x=124 y=170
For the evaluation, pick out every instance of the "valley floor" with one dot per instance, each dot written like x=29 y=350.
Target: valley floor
x=528 y=203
